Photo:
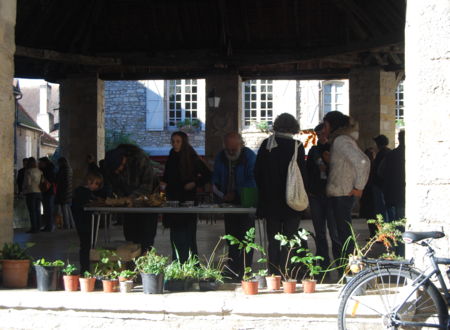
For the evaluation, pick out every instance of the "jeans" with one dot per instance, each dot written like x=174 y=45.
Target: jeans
x=287 y=226
x=183 y=236
x=141 y=229
x=48 y=203
x=322 y=218
x=33 y=201
x=342 y=210
x=237 y=225
x=379 y=204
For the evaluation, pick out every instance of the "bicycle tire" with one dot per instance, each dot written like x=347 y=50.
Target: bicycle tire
x=369 y=302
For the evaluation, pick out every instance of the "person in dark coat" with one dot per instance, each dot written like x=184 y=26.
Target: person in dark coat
x=82 y=196
x=271 y=169
x=379 y=202
x=129 y=173
x=48 y=193
x=21 y=175
x=234 y=170
x=64 y=190
x=183 y=174
x=319 y=203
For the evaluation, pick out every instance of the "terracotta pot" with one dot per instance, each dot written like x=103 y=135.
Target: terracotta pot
x=289 y=286
x=309 y=286
x=15 y=273
x=273 y=282
x=87 y=284
x=250 y=287
x=110 y=285
x=71 y=282
x=123 y=279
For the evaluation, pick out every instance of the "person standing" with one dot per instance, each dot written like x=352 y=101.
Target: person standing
x=348 y=174
x=233 y=170
x=366 y=203
x=319 y=203
x=271 y=169
x=48 y=193
x=31 y=189
x=183 y=174
x=379 y=203
x=63 y=197
x=129 y=173
x=21 y=176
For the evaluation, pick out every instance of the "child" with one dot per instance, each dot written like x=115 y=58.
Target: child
x=82 y=196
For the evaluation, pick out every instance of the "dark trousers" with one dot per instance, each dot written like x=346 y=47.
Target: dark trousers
x=322 y=218
x=140 y=229
x=379 y=204
x=288 y=226
x=183 y=236
x=237 y=225
x=48 y=203
x=33 y=201
x=342 y=210
x=84 y=229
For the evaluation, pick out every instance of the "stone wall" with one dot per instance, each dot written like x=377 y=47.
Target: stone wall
x=7 y=49
x=126 y=111
x=427 y=98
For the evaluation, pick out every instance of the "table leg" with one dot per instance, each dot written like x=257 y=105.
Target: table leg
x=97 y=227
x=92 y=230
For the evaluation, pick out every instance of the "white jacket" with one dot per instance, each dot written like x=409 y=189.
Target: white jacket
x=349 y=166
x=32 y=178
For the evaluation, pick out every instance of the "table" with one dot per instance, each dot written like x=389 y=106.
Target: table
x=106 y=212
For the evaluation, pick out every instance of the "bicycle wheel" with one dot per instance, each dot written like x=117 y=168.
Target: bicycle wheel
x=382 y=299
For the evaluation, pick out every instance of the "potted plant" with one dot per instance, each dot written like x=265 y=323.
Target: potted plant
x=87 y=282
x=310 y=261
x=290 y=271
x=15 y=265
x=48 y=274
x=210 y=272
x=151 y=267
x=182 y=276
x=261 y=278
x=127 y=275
x=249 y=283
x=273 y=282
x=189 y=125
x=70 y=280
x=108 y=268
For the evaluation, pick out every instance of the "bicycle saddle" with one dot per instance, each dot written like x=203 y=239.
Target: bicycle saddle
x=415 y=236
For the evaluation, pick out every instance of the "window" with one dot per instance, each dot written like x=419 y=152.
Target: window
x=182 y=101
x=27 y=146
x=258 y=102
x=399 y=109
x=333 y=96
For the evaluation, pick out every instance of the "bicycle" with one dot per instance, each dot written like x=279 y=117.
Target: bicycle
x=395 y=295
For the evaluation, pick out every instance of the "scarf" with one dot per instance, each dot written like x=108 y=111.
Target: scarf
x=272 y=142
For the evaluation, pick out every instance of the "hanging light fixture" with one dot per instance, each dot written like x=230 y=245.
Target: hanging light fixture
x=213 y=100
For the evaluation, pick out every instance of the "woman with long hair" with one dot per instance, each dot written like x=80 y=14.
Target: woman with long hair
x=183 y=174
x=31 y=189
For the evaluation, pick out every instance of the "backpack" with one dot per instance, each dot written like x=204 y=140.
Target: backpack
x=296 y=197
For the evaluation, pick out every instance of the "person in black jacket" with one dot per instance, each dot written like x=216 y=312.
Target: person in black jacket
x=183 y=174
x=129 y=173
x=271 y=169
x=48 y=193
x=64 y=191
x=81 y=197
x=379 y=203
x=319 y=203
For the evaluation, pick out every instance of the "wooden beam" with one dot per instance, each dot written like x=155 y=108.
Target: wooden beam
x=54 y=56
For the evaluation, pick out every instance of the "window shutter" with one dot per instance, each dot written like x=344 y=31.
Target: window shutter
x=155 y=104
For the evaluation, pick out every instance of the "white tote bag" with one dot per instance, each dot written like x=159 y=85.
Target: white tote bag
x=296 y=196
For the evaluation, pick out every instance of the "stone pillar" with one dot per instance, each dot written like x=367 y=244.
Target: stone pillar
x=372 y=104
x=82 y=122
x=7 y=49
x=427 y=119
x=226 y=118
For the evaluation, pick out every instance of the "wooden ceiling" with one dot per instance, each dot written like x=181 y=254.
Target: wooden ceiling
x=139 y=39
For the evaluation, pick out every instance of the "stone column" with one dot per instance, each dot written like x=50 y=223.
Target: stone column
x=427 y=119
x=226 y=118
x=372 y=104
x=82 y=128
x=7 y=49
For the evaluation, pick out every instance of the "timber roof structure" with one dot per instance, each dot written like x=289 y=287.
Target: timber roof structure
x=142 y=39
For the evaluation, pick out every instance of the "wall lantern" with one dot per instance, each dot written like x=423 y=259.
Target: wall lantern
x=213 y=100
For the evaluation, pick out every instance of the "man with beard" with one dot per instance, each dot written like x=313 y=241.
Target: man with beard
x=233 y=170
